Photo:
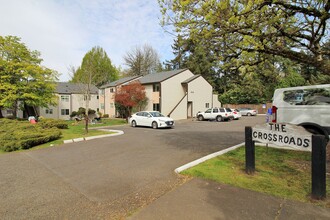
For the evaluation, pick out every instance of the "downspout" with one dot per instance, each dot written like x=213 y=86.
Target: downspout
x=187 y=100
x=59 y=106
x=70 y=104
x=104 y=98
x=160 y=97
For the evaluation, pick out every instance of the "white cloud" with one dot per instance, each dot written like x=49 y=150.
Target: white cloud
x=64 y=31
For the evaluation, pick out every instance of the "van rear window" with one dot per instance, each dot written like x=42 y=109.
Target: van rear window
x=319 y=96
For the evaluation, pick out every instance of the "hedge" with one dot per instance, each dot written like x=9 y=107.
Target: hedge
x=51 y=123
x=16 y=135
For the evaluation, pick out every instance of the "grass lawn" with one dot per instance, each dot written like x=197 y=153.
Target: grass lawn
x=282 y=173
x=104 y=122
x=77 y=130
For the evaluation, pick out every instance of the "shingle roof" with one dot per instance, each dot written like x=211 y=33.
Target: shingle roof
x=191 y=79
x=119 y=82
x=73 y=88
x=159 y=77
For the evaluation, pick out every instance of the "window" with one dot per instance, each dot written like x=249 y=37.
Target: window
x=314 y=96
x=97 y=97
x=156 y=107
x=215 y=110
x=155 y=87
x=65 y=112
x=207 y=105
x=102 y=91
x=208 y=111
x=112 y=105
x=112 y=90
x=145 y=114
x=65 y=98
x=49 y=111
x=102 y=105
x=85 y=97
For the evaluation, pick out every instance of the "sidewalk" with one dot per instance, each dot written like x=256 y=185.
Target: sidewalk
x=203 y=199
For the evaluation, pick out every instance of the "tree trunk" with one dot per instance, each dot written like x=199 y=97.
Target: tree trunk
x=87 y=108
x=86 y=122
x=15 y=110
x=1 y=116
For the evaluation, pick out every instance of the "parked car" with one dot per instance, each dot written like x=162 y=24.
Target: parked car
x=248 y=112
x=236 y=113
x=152 y=119
x=218 y=114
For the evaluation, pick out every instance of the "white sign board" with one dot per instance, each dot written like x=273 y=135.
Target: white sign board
x=283 y=135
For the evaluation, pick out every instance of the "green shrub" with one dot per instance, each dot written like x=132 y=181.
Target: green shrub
x=16 y=135
x=73 y=114
x=105 y=116
x=51 y=123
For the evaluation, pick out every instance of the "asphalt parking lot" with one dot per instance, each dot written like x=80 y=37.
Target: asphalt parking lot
x=109 y=177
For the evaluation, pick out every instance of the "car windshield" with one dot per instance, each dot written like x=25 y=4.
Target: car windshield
x=156 y=114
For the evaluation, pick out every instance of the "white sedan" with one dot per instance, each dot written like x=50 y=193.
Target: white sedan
x=152 y=119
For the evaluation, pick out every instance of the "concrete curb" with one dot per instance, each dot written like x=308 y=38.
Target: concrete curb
x=117 y=132
x=210 y=156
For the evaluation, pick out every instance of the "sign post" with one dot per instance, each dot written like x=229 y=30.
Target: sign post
x=291 y=136
x=318 y=167
x=249 y=151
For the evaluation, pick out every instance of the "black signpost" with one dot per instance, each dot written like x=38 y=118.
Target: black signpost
x=318 y=167
x=318 y=161
x=249 y=151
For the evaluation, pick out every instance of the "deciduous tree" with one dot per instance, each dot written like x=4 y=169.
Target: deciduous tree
x=239 y=30
x=129 y=96
x=97 y=61
x=142 y=61
x=23 y=80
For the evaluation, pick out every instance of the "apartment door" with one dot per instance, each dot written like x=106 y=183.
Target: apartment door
x=190 y=110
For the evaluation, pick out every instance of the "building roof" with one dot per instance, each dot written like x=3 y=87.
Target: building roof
x=159 y=77
x=191 y=79
x=74 y=88
x=119 y=82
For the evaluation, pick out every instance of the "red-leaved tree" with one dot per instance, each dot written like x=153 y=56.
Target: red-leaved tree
x=130 y=96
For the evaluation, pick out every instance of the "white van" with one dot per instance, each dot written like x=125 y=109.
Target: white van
x=308 y=106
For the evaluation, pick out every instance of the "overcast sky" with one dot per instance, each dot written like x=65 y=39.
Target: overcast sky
x=65 y=30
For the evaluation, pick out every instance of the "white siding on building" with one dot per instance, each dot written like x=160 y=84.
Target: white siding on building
x=199 y=94
x=149 y=92
x=172 y=92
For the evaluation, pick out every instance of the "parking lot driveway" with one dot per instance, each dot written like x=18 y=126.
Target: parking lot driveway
x=108 y=177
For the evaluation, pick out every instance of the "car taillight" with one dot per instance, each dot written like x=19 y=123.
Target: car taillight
x=274 y=114
x=235 y=112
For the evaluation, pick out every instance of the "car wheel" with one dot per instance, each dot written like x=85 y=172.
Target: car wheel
x=200 y=118
x=218 y=118
x=249 y=114
x=317 y=130
x=154 y=125
x=133 y=123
